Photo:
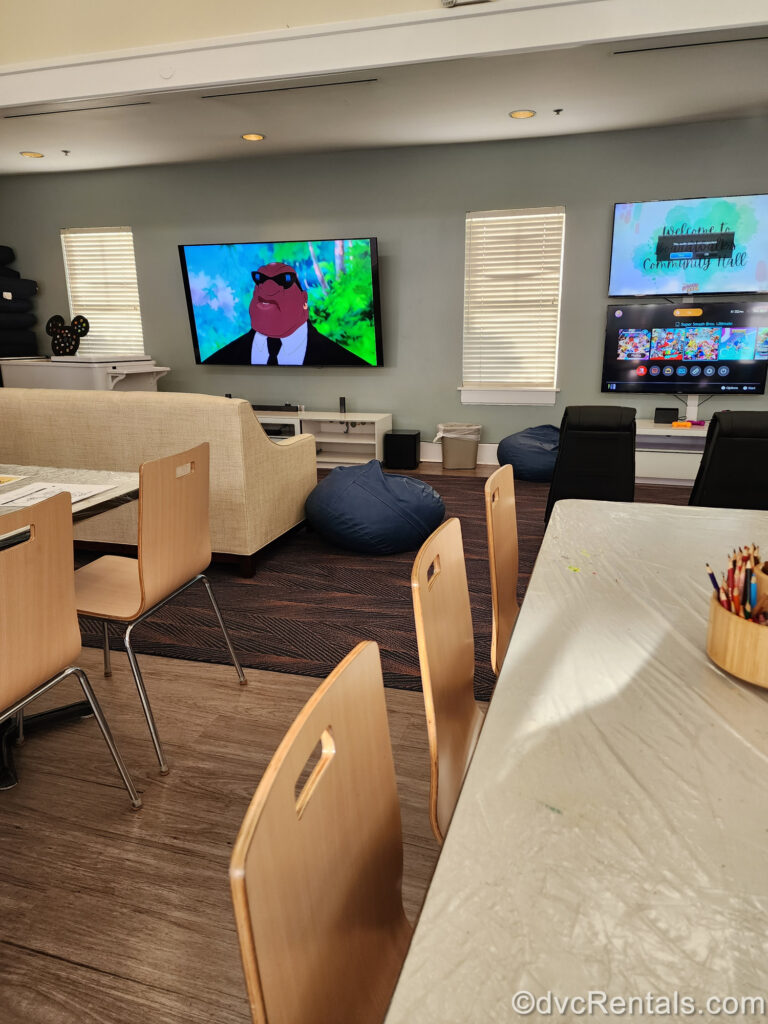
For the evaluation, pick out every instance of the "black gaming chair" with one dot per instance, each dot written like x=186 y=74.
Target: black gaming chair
x=596 y=457
x=732 y=472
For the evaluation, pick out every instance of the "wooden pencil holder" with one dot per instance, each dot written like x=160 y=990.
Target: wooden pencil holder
x=738 y=645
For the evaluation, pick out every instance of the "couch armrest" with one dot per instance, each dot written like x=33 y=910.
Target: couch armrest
x=286 y=442
x=279 y=476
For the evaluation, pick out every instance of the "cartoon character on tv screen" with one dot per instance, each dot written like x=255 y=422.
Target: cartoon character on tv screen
x=633 y=344
x=666 y=343
x=281 y=332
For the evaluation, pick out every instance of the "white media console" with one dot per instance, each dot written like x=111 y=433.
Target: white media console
x=664 y=452
x=343 y=439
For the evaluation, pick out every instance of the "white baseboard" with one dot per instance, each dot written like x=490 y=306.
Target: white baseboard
x=431 y=451
x=663 y=480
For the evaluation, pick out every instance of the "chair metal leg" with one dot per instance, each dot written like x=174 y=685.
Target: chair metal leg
x=107 y=659
x=19 y=727
x=233 y=656
x=144 y=700
x=137 y=671
x=107 y=734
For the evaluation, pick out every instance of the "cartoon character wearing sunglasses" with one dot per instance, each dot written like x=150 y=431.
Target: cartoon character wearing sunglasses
x=281 y=334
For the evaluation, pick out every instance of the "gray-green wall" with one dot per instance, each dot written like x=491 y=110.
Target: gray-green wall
x=414 y=200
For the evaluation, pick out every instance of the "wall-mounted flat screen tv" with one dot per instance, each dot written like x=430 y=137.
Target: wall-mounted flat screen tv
x=690 y=246
x=307 y=303
x=713 y=348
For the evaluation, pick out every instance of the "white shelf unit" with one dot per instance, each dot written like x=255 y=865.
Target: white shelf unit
x=664 y=452
x=278 y=425
x=347 y=439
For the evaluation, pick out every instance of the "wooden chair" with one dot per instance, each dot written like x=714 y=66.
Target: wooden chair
x=174 y=548
x=316 y=870
x=39 y=633
x=501 y=520
x=447 y=658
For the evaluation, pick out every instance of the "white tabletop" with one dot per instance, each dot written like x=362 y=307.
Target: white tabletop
x=612 y=833
x=123 y=487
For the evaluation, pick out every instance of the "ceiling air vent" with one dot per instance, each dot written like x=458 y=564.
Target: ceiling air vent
x=284 y=88
x=685 y=46
x=77 y=110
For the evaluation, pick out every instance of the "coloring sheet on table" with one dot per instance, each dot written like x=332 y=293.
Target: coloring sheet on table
x=22 y=497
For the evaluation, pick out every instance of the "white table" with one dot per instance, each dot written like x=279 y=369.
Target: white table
x=612 y=833
x=124 y=487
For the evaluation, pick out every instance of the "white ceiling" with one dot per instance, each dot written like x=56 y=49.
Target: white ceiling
x=598 y=87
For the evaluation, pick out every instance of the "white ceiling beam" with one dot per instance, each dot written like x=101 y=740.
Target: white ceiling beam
x=506 y=26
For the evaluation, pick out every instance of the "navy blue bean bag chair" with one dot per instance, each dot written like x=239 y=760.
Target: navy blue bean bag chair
x=532 y=453
x=363 y=509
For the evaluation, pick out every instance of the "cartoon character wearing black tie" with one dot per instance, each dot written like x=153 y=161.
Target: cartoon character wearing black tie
x=281 y=333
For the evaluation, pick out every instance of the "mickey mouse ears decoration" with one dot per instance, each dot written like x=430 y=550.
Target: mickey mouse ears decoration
x=66 y=339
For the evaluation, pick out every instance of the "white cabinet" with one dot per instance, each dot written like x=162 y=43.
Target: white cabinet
x=83 y=373
x=347 y=439
x=664 y=452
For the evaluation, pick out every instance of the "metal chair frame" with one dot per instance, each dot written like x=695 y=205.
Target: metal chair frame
x=136 y=671
x=17 y=709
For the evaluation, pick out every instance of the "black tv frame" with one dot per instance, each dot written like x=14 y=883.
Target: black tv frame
x=703 y=387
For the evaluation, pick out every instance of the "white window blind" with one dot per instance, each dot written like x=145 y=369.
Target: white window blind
x=513 y=272
x=101 y=281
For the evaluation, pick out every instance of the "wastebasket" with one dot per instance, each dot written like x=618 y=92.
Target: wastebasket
x=459 y=443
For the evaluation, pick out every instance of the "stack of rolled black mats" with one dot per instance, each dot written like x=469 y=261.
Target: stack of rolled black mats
x=16 y=309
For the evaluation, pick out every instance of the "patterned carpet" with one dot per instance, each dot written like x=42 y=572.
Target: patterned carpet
x=308 y=604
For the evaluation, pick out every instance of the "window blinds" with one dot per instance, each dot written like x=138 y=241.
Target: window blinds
x=101 y=281
x=513 y=272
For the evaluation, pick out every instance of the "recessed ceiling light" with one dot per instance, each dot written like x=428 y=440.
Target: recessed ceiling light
x=520 y=114
x=35 y=156
x=252 y=137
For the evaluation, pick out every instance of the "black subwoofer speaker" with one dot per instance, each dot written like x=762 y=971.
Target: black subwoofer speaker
x=401 y=449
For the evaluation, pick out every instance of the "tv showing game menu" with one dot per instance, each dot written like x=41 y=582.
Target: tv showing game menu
x=712 y=348
x=690 y=246
x=306 y=303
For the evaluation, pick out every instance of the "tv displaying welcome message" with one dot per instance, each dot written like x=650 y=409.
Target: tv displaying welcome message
x=715 y=348
x=305 y=303
x=690 y=246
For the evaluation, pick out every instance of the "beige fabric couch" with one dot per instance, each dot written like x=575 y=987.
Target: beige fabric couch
x=258 y=486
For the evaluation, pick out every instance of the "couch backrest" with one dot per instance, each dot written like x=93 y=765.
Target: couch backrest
x=118 y=430
x=257 y=488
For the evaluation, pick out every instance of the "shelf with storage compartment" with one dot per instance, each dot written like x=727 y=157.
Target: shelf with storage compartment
x=278 y=424
x=347 y=439
x=664 y=452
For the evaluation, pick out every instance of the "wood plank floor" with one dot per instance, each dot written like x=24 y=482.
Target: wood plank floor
x=114 y=916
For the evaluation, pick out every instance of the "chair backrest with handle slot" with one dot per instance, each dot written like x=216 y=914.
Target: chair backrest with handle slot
x=39 y=632
x=316 y=870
